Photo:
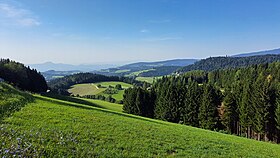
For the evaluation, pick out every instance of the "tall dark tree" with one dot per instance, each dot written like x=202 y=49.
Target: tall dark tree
x=208 y=111
x=191 y=104
x=229 y=115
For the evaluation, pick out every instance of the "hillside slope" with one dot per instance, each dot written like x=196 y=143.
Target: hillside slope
x=12 y=99
x=155 y=68
x=265 y=52
x=215 y=63
x=51 y=127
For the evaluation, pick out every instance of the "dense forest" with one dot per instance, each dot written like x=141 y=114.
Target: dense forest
x=61 y=85
x=159 y=71
x=21 y=76
x=215 y=63
x=241 y=101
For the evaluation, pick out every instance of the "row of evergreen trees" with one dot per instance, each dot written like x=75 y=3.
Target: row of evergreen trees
x=243 y=101
x=22 y=77
x=215 y=63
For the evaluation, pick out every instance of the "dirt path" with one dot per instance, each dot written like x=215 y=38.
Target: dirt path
x=95 y=86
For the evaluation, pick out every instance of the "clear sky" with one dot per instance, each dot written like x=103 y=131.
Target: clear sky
x=112 y=31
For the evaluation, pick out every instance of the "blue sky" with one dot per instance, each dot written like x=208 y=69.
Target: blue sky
x=118 y=31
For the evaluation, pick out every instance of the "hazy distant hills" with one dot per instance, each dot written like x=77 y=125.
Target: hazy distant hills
x=215 y=63
x=274 y=51
x=158 y=68
x=68 y=67
x=175 y=62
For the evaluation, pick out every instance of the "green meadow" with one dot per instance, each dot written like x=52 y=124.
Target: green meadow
x=50 y=127
x=93 y=89
x=148 y=79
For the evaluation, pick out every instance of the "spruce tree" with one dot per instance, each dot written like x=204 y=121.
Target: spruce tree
x=208 y=113
x=191 y=104
x=261 y=106
x=229 y=114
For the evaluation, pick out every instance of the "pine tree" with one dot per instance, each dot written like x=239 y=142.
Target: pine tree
x=229 y=112
x=277 y=116
x=208 y=113
x=245 y=108
x=191 y=104
x=261 y=106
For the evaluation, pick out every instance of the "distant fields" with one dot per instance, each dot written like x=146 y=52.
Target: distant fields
x=92 y=89
x=136 y=73
x=54 y=128
x=122 y=71
x=148 y=79
x=85 y=89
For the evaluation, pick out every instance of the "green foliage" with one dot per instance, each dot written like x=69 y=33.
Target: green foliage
x=191 y=104
x=92 y=91
x=277 y=111
x=240 y=101
x=208 y=110
x=229 y=115
x=118 y=87
x=216 y=63
x=159 y=71
x=61 y=85
x=12 y=100
x=68 y=129
x=139 y=102
x=22 y=77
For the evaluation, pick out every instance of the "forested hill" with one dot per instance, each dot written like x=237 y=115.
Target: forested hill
x=215 y=63
x=265 y=52
x=175 y=62
x=61 y=85
x=21 y=76
x=241 y=101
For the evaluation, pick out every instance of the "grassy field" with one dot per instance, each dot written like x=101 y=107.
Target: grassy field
x=92 y=89
x=122 y=71
x=148 y=79
x=12 y=99
x=136 y=73
x=85 y=89
x=54 y=128
x=105 y=104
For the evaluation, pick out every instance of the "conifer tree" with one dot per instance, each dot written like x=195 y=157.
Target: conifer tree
x=208 y=113
x=229 y=115
x=191 y=104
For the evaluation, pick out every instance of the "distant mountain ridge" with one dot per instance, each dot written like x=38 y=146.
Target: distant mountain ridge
x=173 y=62
x=68 y=67
x=216 y=63
x=154 y=68
x=265 y=52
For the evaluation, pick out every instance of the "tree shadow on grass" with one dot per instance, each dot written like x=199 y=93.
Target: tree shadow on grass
x=59 y=99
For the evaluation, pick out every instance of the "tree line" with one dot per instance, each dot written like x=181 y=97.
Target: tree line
x=241 y=101
x=215 y=63
x=21 y=76
x=159 y=71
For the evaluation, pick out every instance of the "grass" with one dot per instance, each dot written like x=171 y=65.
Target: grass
x=12 y=99
x=106 y=105
x=122 y=71
x=86 y=89
x=89 y=102
x=107 y=84
x=92 y=89
x=136 y=73
x=54 y=128
x=148 y=79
